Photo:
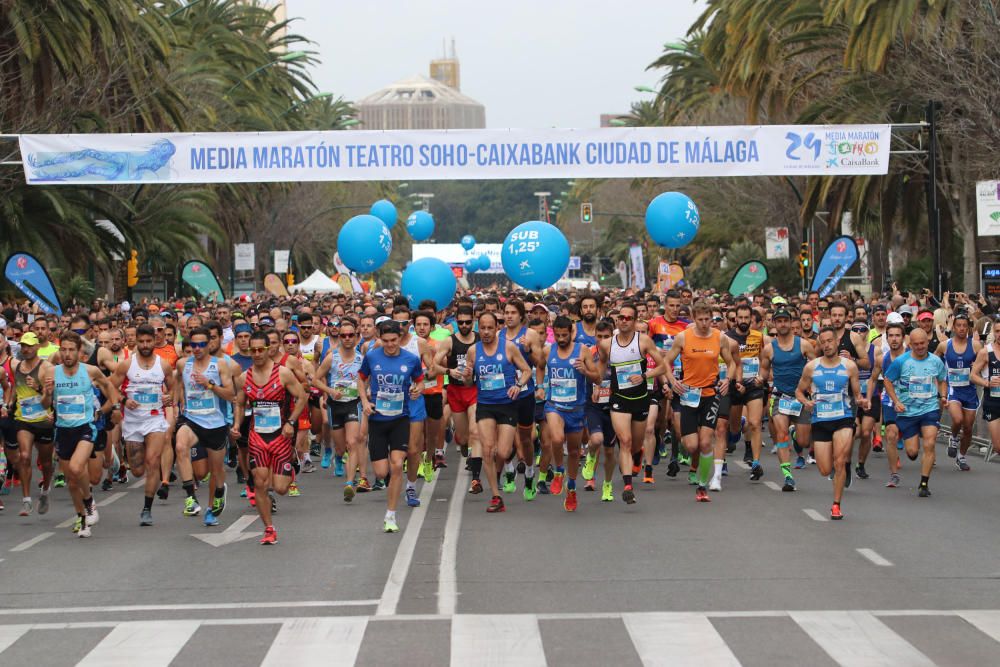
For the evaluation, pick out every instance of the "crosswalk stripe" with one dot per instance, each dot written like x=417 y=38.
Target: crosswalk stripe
x=148 y=643
x=10 y=634
x=317 y=641
x=499 y=639
x=678 y=639
x=985 y=621
x=858 y=639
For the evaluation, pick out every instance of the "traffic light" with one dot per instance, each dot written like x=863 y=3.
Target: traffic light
x=290 y=279
x=586 y=213
x=133 y=269
x=803 y=259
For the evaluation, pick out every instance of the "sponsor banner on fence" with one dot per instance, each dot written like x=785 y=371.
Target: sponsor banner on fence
x=988 y=207
x=838 y=257
x=776 y=239
x=246 y=157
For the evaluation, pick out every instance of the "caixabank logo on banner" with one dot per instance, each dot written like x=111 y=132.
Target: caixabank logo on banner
x=835 y=149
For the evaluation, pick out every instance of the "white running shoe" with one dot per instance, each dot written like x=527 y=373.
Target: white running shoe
x=715 y=484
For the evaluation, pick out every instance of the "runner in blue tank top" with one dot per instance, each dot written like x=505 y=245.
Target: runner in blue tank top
x=959 y=353
x=917 y=385
x=825 y=389
x=530 y=345
x=866 y=418
x=501 y=373
x=72 y=396
x=783 y=361
x=894 y=335
x=568 y=366
x=203 y=382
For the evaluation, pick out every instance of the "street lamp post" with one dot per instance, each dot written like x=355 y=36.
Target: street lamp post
x=543 y=205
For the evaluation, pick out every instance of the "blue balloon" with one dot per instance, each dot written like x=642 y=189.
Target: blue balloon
x=420 y=224
x=672 y=220
x=472 y=265
x=364 y=243
x=484 y=262
x=428 y=278
x=385 y=211
x=535 y=255
x=468 y=241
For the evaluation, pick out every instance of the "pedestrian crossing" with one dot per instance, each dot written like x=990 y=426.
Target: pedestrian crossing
x=710 y=639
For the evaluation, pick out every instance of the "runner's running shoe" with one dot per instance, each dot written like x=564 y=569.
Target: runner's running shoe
x=569 y=504
x=191 y=507
x=270 y=536
x=389 y=526
x=835 y=512
x=607 y=492
x=411 y=498
x=496 y=505
x=701 y=495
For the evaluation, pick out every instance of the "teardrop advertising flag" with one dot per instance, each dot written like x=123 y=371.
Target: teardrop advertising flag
x=202 y=279
x=28 y=275
x=838 y=258
x=748 y=278
x=274 y=285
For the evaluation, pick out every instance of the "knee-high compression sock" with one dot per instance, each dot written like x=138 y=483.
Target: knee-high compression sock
x=476 y=465
x=705 y=465
x=786 y=468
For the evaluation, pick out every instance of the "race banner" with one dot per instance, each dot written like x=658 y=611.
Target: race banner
x=748 y=278
x=243 y=257
x=28 y=275
x=669 y=275
x=274 y=285
x=776 y=241
x=610 y=152
x=988 y=208
x=281 y=261
x=838 y=257
x=202 y=279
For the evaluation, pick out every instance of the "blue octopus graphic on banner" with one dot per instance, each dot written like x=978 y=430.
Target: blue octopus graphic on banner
x=112 y=166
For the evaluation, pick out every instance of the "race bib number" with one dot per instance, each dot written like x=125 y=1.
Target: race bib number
x=266 y=418
x=789 y=406
x=723 y=371
x=624 y=372
x=32 y=408
x=491 y=381
x=200 y=402
x=751 y=367
x=691 y=397
x=148 y=400
x=348 y=390
x=71 y=406
x=920 y=387
x=389 y=403
x=830 y=406
x=563 y=390
x=864 y=387
x=604 y=392
x=958 y=377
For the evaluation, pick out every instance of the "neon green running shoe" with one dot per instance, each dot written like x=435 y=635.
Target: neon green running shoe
x=588 y=467
x=607 y=493
x=191 y=507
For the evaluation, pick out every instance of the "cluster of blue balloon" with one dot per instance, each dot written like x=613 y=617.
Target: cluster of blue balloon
x=672 y=220
x=535 y=255
x=481 y=263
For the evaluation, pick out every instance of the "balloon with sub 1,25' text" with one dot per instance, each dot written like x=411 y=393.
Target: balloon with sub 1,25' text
x=535 y=255
x=364 y=243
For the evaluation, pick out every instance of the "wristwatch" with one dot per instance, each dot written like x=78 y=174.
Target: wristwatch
x=211 y=384
x=290 y=423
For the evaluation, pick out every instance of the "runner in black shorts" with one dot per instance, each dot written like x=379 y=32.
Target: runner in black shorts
x=626 y=355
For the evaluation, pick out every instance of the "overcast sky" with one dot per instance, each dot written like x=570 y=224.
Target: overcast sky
x=532 y=63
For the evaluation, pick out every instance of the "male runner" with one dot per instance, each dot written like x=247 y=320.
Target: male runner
x=986 y=374
x=783 y=362
x=417 y=412
x=73 y=399
x=748 y=399
x=33 y=420
x=917 y=384
x=699 y=349
x=389 y=381
x=202 y=383
x=598 y=412
x=894 y=335
x=452 y=352
x=959 y=353
x=826 y=385
x=568 y=365
x=268 y=388
x=531 y=347
x=626 y=353
x=501 y=373
x=147 y=382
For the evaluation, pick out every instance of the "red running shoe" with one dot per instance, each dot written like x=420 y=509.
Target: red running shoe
x=496 y=505
x=270 y=536
x=701 y=495
x=835 y=513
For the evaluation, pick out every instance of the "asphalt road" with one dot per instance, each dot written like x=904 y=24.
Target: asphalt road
x=757 y=577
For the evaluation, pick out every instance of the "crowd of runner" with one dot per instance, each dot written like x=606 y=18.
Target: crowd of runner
x=526 y=390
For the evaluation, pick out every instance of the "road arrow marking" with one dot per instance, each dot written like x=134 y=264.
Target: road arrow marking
x=233 y=533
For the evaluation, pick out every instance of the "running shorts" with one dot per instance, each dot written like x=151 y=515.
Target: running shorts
x=702 y=416
x=68 y=437
x=461 y=398
x=910 y=427
x=504 y=414
x=44 y=432
x=388 y=435
x=275 y=453
x=823 y=431
x=215 y=439
x=573 y=420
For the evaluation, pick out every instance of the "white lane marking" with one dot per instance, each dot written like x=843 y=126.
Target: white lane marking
x=858 y=639
x=299 y=604
x=149 y=643
x=448 y=567
x=772 y=485
x=987 y=621
x=138 y=484
x=232 y=533
x=10 y=634
x=813 y=514
x=329 y=642
x=495 y=640
x=404 y=554
x=27 y=544
x=678 y=639
x=874 y=557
